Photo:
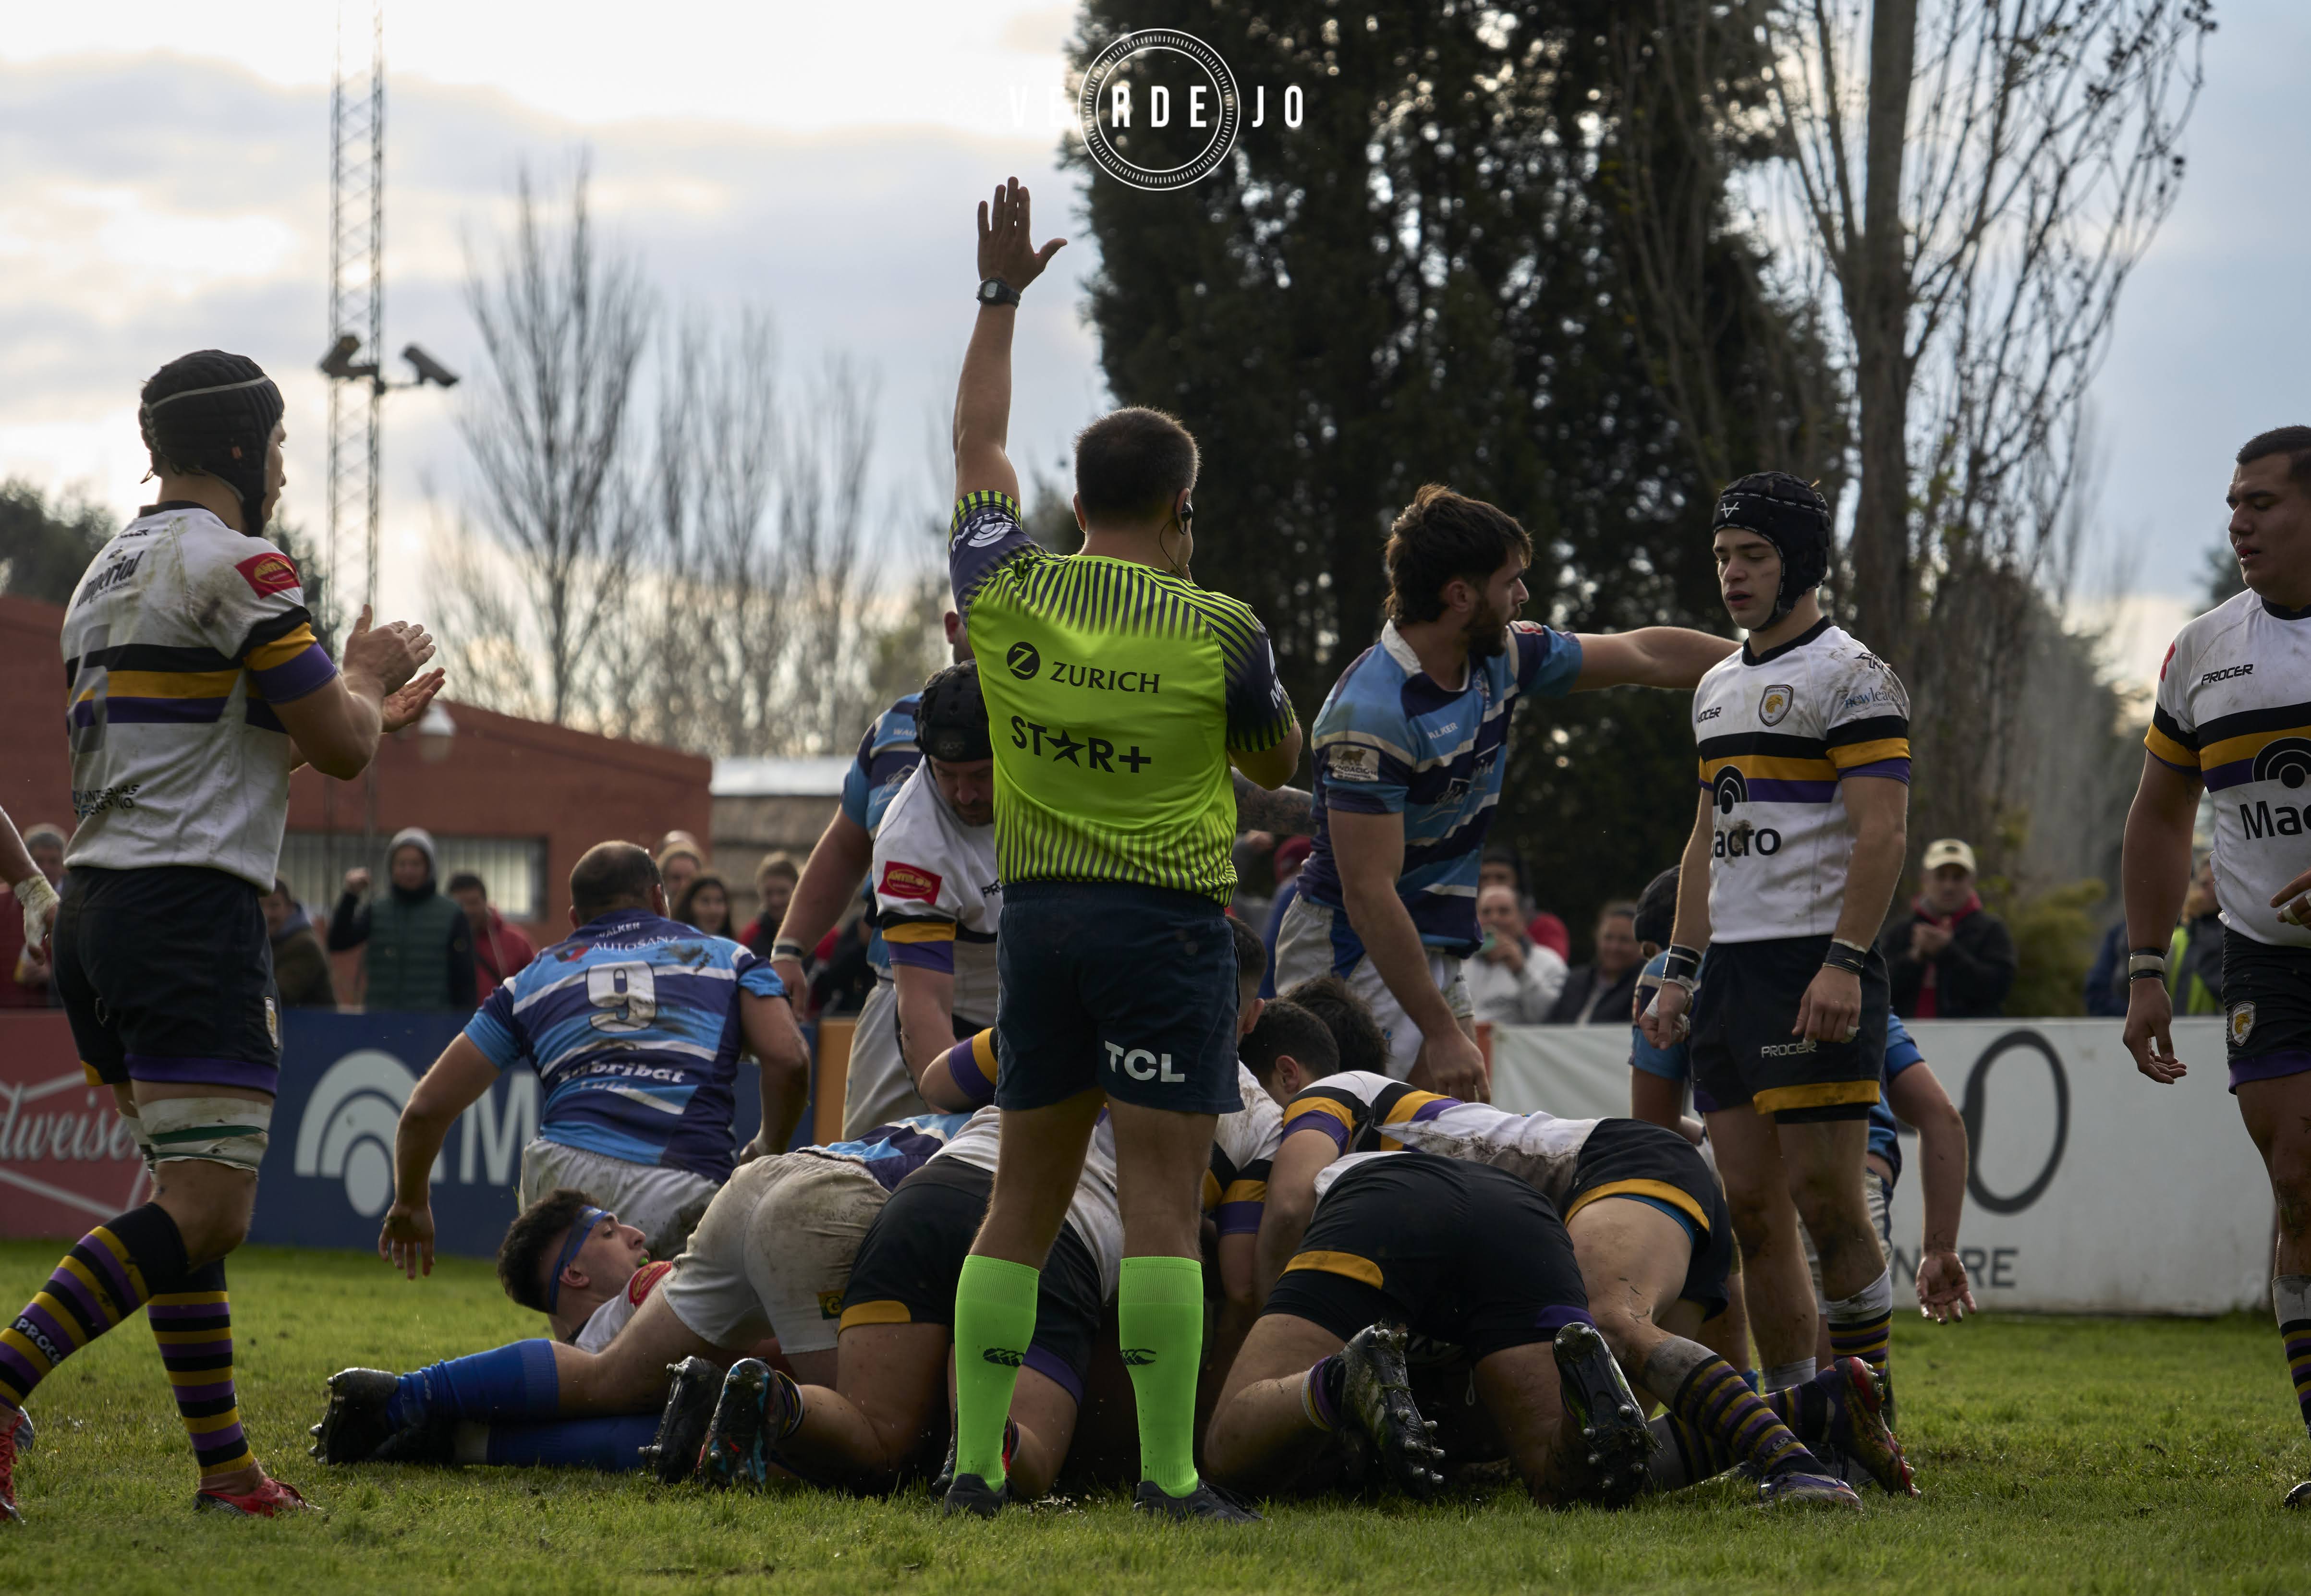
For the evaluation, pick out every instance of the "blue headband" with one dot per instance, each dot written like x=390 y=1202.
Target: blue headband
x=580 y=1229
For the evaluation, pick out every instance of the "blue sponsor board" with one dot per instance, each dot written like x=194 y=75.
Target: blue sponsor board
x=328 y=1177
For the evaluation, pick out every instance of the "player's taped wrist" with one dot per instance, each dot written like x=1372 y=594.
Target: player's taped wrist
x=783 y=949
x=2146 y=963
x=1681 y=967
x=1849 y=956
x=38 y=897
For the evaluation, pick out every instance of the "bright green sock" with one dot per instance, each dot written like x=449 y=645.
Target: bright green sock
x=994 y=1321
x=1159 y=1310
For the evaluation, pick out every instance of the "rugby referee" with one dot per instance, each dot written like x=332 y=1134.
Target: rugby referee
x=1119 y=694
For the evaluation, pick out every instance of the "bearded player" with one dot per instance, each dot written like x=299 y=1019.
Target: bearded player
x=194 y=683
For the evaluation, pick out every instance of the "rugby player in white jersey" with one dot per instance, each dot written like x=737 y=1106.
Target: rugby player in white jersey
x=2233 y=719
x=1797 y=845
x=938 y=903
x=193 y=685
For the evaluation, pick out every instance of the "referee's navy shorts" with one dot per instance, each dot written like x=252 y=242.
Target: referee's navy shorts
x=1127 y=988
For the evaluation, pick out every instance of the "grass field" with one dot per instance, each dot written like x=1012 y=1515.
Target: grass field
x=2056 y=1454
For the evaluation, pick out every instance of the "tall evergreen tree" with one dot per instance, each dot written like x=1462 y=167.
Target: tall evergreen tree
x=1425 y=282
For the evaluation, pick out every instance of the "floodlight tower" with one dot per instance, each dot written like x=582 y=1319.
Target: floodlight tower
x=356 y=289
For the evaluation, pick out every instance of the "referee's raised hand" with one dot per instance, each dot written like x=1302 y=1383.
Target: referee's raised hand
x=1007 y=241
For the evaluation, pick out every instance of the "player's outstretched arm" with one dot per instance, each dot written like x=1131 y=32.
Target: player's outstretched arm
x=982 y=400
x=455 y=1083
x=768 y=1025
x=2154 y=871
x=337 y=726
x=1650 y=656
x=1369 y=851
x=1663 y=1020
x=1917 y=1097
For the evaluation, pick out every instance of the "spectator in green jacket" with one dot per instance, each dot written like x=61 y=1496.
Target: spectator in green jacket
x=419 y=952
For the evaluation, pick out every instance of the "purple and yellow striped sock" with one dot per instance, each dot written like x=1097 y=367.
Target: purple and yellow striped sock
x=1728 y=1424
x=2297 y=1335
x=2290 y=1294
x=194 y=1327
x=107 y=1276
x=1862 y=1325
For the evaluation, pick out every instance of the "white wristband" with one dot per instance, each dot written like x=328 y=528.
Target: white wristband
x=38 y=897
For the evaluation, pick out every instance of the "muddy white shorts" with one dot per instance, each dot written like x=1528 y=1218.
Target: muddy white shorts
x=772 y=1255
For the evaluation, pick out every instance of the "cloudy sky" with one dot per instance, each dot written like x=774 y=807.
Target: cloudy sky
x=163 y=185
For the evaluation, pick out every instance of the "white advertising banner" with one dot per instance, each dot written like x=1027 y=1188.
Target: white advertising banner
x=2092 y=1189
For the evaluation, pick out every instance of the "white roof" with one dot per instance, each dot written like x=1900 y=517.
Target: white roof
x=780 y=778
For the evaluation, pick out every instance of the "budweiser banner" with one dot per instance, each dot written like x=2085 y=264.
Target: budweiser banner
x=67 y=1161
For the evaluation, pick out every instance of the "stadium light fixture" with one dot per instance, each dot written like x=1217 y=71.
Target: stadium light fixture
x=428 y=368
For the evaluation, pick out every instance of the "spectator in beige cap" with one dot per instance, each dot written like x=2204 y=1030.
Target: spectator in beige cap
x=1949 y=958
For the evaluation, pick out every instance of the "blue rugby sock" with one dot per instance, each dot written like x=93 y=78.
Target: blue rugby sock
x=612 y=1445
x=516 y=1382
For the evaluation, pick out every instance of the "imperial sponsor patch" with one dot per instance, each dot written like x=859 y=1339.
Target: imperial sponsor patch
x=910 y=881
x=269 y=572
x=1352 y=762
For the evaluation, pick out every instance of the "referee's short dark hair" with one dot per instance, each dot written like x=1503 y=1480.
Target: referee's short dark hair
x=2294 y=442
x=1131 y=462
x=1442 y=537
x=1287 y=1030
x=611 y=876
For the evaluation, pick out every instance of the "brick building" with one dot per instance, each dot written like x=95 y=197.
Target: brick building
x=515 y=800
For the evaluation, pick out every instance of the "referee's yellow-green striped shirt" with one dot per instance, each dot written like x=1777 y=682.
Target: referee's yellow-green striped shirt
x=1115 y=692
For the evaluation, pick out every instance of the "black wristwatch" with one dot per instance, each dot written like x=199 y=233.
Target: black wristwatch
x=996 y=292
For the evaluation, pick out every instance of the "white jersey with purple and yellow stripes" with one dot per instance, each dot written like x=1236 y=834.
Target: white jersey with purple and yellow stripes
x=1366 y=1115
x=1780 y=734
x=181 y=639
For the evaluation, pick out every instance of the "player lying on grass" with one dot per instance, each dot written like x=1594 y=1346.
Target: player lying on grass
x=1648 y=1228
x=886 y=1409
x=771 y=1257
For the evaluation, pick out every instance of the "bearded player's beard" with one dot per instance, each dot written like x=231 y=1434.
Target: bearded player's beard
x=1487 y=633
